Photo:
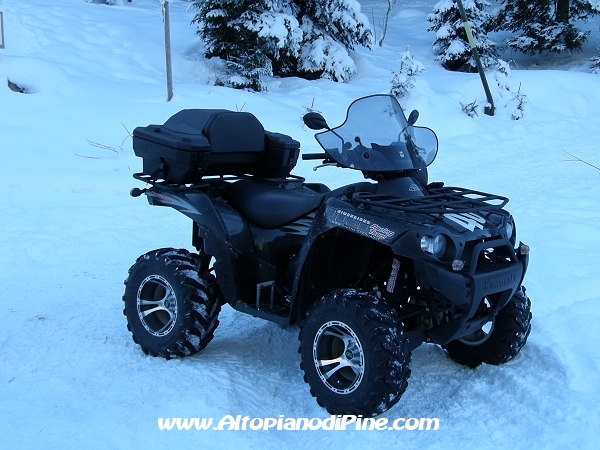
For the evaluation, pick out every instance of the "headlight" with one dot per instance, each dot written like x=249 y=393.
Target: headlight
x=509 y=229
x=434 y=246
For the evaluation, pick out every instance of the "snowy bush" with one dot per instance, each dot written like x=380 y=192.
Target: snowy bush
x=595 y=65
x=451 y=43
x=404 y=80
x=501 y=77
x=310 y=39
x=582 y=9
x=507 y=96
x=539 y=38
x=513 y=101
x=327 y=57
x=519 y=100
x=545 y=25
x=245 y=72
x=470 y=109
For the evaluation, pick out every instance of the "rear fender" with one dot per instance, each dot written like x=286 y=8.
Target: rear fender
x=217 y=231
x=200 y=209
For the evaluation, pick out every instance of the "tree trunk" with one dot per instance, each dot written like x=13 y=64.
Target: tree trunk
x=391 y=4
x=562 y=11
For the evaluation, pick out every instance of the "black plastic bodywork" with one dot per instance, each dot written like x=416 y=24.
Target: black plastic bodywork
x=278 y=244
x=317 y=240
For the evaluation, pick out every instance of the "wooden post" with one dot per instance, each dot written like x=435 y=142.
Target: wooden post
x=489 y=110
x=168 y=49
x=1 y=29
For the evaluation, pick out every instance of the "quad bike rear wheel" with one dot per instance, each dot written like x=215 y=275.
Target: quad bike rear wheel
x=498 y=341
x=354 y=354
x=171 y=303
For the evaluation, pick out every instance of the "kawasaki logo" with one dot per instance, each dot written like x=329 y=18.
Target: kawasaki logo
x=500 y=285
x=469 y=221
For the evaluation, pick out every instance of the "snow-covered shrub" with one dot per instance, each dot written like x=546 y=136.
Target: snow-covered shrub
x=545 y=25
x=245 y=72
x=519 y=100
x=340 y=19
x=470 y=109
x=513 y=101
x=582 y=9
x=502 y=73
x=550 y=37
x=451 y=43
x=403 y=81
x=327 y=58
x=248 y=36
x=310 y=38
x=595 y=65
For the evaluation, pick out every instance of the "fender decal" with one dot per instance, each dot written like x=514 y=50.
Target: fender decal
x=358 y=224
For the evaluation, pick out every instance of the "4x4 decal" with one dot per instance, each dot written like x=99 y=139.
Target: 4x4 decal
x=468 y=221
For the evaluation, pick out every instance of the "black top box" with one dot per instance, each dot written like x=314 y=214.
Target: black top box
x=206 y=142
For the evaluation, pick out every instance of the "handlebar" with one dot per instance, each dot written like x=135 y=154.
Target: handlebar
x=307 y=156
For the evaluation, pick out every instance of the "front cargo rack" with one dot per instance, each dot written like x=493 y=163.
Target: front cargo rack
x=442 y=200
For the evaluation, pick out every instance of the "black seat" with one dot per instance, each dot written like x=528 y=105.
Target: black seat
x=272 y=206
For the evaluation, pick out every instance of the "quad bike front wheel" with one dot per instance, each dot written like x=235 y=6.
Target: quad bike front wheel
x=171 y=303
x=498 y=341
x=354 y=354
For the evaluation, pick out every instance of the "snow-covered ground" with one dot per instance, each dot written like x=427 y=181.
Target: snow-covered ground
x=70 y=375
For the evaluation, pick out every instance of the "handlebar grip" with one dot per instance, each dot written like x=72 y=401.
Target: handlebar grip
x=307 y=156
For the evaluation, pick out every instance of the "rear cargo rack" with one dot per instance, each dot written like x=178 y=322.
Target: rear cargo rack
x=206 y=182
x=148 y=179
x=444 y=200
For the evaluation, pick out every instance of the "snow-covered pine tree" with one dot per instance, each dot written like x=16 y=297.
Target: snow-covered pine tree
x=451 y=42
x=340 y=19
x=331 y=28
x=282 y=37
x=545 y=25
x=249 y=36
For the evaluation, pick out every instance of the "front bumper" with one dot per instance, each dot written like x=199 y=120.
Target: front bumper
x=467 y=289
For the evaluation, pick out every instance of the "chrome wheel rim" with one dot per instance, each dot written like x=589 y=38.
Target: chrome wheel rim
x=480 y=336
x=157 y=305
x=338 y=357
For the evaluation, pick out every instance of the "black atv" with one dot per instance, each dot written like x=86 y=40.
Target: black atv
x=368 y=271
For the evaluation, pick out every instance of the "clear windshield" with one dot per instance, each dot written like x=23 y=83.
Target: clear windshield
x=377 y=138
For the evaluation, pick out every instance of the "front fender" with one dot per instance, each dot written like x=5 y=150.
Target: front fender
x=338 y=246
